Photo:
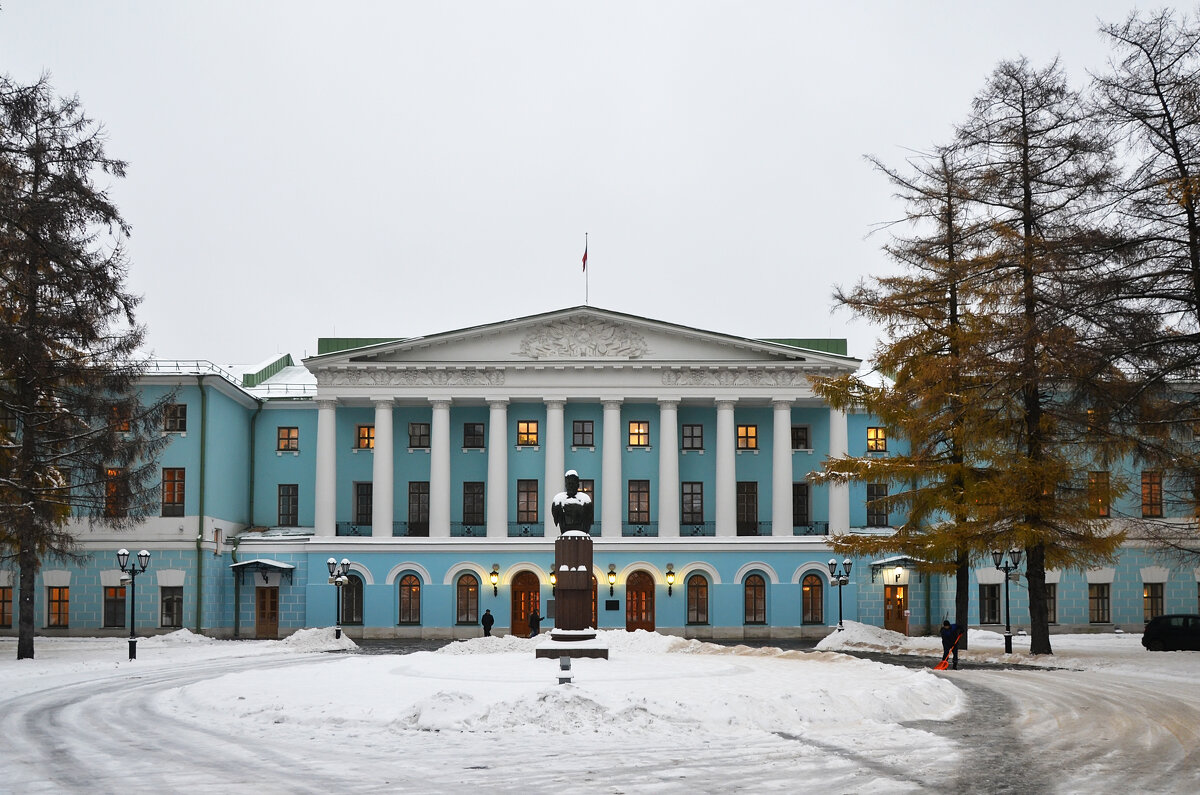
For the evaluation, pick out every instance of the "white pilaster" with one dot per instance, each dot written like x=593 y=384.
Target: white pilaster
x=325 y=498
x=839 y=493
x=555 y=460
x=497 y=471
x=439 y=470
x=668 y=468
x=781 y=469
x=611 y=486
x=381 y=470
x=726 y=471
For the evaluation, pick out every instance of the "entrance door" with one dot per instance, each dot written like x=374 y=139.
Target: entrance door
x=266 y=613
x=526 y=596
x=639 y=602
x=895 y=608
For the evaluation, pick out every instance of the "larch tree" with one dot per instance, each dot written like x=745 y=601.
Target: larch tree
x=75 y=441
x=924 y=361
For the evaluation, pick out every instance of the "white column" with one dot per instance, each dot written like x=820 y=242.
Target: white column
x=839 y=493
x=439 y=470
x=726 y=471
x=610 y=472
x=497 y=469
x=781 y=469
x=668 y=468
x=381 y=471
x=556 y=460
x=325 y=498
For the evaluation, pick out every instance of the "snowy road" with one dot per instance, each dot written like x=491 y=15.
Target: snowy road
x=220 y=726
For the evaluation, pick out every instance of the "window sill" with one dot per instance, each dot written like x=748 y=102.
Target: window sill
x=808 y=450
x=474 y=449
x=281 y=452
x=630 y=448
x=591 y=448
x=418 y=449
x=753 y=450
x=696 y=450
x=362 y=449
x=532 y=447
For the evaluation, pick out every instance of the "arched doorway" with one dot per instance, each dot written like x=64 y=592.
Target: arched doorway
x=526 y=596
x=639 y=602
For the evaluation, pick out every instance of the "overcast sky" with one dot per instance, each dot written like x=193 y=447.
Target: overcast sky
x=308 y=169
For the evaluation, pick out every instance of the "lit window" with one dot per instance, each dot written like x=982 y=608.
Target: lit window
x=812 y=600
x=639 y=502
x=114 y=606
x=418 y=435
x=876 y=439
x=1152 y=600
x=527 y=501
x=747 y=437
x=58 y=607
x=1099 y=611
x=6 y=614
x=287 y=439
x=116 y=493
x=697 y=600
x=467 y=602
x=364 y=438
x=1152 y=497
x=527 y=433
x=1098 y=492
x=410 y=599
x=172 y=491
x=639 y=433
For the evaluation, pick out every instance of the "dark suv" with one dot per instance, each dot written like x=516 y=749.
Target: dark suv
x=1173 y=633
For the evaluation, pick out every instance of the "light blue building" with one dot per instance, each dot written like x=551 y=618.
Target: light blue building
x=429 y=465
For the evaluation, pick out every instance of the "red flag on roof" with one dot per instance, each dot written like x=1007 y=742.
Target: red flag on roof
x=585 y=256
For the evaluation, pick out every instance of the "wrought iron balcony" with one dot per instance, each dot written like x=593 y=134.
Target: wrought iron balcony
x=468 y=529
x=811 y=529
x=526 y=530
x=634 y=529
x=698 y=529
x=353 y=529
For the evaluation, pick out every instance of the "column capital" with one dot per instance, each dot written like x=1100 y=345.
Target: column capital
x=497 y=403
x=669 y=402
x=383 y=400
x=725 y=403
x=440 y=403
x=326 y=403
x=555 y=402
x=612 y=403
x=782 y=403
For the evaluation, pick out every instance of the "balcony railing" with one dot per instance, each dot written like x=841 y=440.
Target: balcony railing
x=468 y=529
x=698 y=529
x=811 y=529
x=748 y=528
x=411 y=529
x=353 y=529
x=635 y=529
x=525 y=530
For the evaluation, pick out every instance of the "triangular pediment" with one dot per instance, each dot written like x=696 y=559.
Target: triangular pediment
x=580 y=335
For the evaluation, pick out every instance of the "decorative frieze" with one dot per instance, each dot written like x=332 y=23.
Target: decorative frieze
x=740 y=376
x=372 y=376
x=583 y=338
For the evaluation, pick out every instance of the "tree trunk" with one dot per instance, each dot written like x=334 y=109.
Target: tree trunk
x=28 y=563
x=962 y=596
x=1039 y=623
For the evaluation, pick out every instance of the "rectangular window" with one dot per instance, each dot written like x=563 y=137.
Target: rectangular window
x=800 y=517
x=692 y=510
x=800 y=438
x=418 y=435
x=527 y=501
x=171 y=606
x=639 y=502
x=287 y=439
x=747 y=437
x=364 y=437
x=1099 y=611
x=418 y=508
x=119 y=415
x=877 y=512
x=747 y=508
x=289 y=504
x=583 y=433
x=175 y=418
x=473 y=435
x=1152 y=497
x=639 y=433
x=473 y=510
x=1052 y=602
x=989 y=604
x=58 y=607
x=693 y=437
x=116 y=493
x=527 y=433
x=6 y=614
x=876 y=439
x=588 y=487
x=114 y=606
x=172 y=491
x=363 y=503
x=1098 y=491
x=1152 y=600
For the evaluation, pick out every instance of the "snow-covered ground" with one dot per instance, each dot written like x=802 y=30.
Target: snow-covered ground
x=661 y=715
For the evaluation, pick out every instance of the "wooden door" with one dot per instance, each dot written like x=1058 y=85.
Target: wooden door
x=526 y=596
x=266 y=613
x=639 y=602
x=895 y=608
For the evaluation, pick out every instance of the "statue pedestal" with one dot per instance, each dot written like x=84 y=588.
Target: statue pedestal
x=573 y=634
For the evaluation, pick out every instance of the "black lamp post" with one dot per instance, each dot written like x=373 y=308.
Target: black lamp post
x=337 y=578
x=840 y=579
x=1014 y=557
x=131 y=571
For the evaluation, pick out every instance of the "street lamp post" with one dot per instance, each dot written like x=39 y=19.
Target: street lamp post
x=132 y=570
x=840 y=579
x=1014 y=557
x=337 y=578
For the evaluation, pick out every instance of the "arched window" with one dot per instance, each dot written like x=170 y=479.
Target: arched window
x=467 y=602
x=410 y=599
x=756 y=599
x=813 y=611
x=352 y=600
x=697 y=599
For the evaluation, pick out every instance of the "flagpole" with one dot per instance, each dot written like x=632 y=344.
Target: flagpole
x=585 y=270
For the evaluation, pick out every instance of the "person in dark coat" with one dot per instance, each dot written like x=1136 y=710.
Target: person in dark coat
x=535 y=622
x=487 y=621
x=950 y=637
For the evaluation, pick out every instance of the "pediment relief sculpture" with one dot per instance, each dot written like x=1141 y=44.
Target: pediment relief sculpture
x=583 y=338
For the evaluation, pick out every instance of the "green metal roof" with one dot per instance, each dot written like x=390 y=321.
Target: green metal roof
x=251 y=380
x=334 y=344
x=824 y=344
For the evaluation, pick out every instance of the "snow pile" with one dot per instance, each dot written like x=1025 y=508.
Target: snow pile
x=317 y=639
x=868 y=638
x=180 y=637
